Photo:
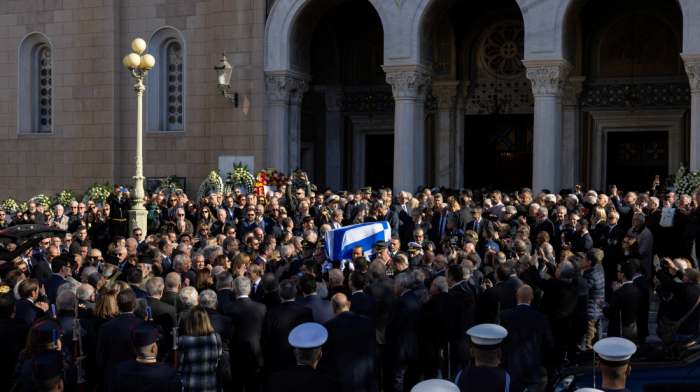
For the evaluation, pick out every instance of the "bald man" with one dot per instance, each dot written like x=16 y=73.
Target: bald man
x=353 y=365
x=528 y=332
x=336 y=279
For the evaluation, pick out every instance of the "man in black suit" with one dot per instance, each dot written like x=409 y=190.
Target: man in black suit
x=224 y=287
x=382 y=291
x=644 y=302
x=624 y=303
x=543 y=223
x=528 y=335
x=255 y=275
x=134 y=277
x=163 y=314
x=172 y=287
x=558 y=303
x=277 y=324
x=321 y=308
x=114 y=339
x=361 y=303
x=439 y=223
x=390 y=216
x=431 y=321
x=271 y=298
x=353 y=365
x=478 y=224
x=501 y=293
x=464 y=214
x=247 y=316
x=60 y=266
x=190 y=298
x=611 y=244
x=42 y=266
x=402 y=335
x=513 y=281
x=33 y=302
x=416 y=225
x=222 y=325
x=457 y=318
x=402 y=211
x=584 y=242
x=307 y=340
x=13 y=336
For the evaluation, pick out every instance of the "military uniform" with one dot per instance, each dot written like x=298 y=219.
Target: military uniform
x=145 y=374
x=613 y=353
x=48 y=364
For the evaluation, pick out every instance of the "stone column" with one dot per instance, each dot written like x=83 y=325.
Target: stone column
x=570 y=136
x=460 y=112
x=334 y=131
x=296 y=96
x=445 y=92
x=404 y=86
x=547 y=80
x=420 y=161
x=692 y=68
x=279 y=89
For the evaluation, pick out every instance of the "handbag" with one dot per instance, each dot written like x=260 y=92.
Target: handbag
x=666 y=329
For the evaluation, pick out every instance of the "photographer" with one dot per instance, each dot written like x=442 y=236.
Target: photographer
x=120 y=203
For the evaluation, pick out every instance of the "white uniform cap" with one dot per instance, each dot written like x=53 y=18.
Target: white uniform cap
x=615 y=351
x=308 y=335
x=487 y=335
x=588 y=390
x=333 y=198
x=435 y=385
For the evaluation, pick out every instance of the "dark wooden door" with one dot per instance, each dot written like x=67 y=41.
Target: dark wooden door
x=634 y=158
x=379 y=161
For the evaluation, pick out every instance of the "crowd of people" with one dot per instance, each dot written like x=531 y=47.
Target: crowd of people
x=235 y=292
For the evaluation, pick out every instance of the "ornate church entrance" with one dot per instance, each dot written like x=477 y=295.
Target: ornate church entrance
x=634 y=158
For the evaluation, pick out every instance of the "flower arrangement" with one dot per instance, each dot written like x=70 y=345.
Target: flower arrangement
x=97 y=193
x=41 y=199
x=23 y=207
x=240 y=177
x=168 y=185
x=687 y=182
x=268 y=177
x=64 y=198
x=212 y=182
x=297 y=182
x=10 y=205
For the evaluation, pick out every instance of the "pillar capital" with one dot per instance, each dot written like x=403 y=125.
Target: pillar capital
x=445 y=94
x=572 y=90
x=299 y=87
x=334 y=98
x=408 y=84
x=692 y=68
x=547 y=81
x=462 y=93
x=279 y=88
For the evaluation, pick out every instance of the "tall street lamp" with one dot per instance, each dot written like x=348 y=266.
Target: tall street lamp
x=138 y=64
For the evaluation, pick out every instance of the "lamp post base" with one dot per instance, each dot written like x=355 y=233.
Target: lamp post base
x=138 y=220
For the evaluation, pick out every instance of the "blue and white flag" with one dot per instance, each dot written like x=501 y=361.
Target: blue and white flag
x=339 y=242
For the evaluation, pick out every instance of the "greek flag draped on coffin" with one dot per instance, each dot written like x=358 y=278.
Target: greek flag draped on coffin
x=339 y=242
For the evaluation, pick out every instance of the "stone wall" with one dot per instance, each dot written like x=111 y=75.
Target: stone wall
x=94 y=105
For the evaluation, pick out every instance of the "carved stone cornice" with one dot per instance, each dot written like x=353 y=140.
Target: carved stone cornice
x=424 y=85
x=279 y=88
x=406 y=85
x=547 y=80
x=692 y=68
x=462 y=94
x=572 y=90
x=298 y=90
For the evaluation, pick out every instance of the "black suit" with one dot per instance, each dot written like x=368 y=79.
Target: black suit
x=353 y=365
x=514 y=282
x=172 y=298
x=402 y=337
x=487 y=305
x=137 y=290
x=51 y=285
x=13 y=336
x=429 y=344
x=224 y=296
x=457 y=318
x=364 y=305
x=113 y=346
x=256 y=292
x=546 y=226
x=383 y=293
x=483 y=224
x=247 y=316
x=644 y=304
x=528 y=334
x=611 y=244
x=394 y=221
x=163 y=315
x=408 y=231
x=625 y=301
x=182 y=318
x=302 y=378
x=27 y=312
x=464 y=216
x=41 y=269
x=222 y=325
x=271 y=300
x=274 y=338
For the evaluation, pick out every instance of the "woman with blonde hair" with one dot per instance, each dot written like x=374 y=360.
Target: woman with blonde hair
x=106 y=308
x=598 y=224
x=199 y=351
x=240 y=265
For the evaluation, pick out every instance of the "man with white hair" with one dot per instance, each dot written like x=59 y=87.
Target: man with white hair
x=65 y=315
x=625 y=209
x=86 y=296
x=189 y=298
x=131 y=246
x=645 y=239
x=60 y=220
x=172 y=287
x=163 y=314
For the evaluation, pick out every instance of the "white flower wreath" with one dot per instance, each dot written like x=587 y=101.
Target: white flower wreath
x=41 y=199
x=213 y=182
x=240 y=177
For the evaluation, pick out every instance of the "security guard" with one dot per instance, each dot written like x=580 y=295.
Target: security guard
x=144 y=373
x=614 y=362
x=111 y=270
x=486 y=376
x=47 y=335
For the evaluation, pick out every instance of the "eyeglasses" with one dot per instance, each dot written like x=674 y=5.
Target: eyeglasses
x=250 y=215
x=275 y=209
x=93 y=257
x=81 y=208
x=138 y=234
x=180 y=214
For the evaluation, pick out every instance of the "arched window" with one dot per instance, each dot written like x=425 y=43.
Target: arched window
x=35 y=88
x=165 y=83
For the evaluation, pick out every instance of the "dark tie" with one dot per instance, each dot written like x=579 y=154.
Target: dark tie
x=442 y=227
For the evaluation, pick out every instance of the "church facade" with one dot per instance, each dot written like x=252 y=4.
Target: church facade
x=398 y=93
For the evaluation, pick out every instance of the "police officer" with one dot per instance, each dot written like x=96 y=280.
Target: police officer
x=144 y=373
x=415 y=254
x=614 y=362
x=486 y=376
x=47 y=335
